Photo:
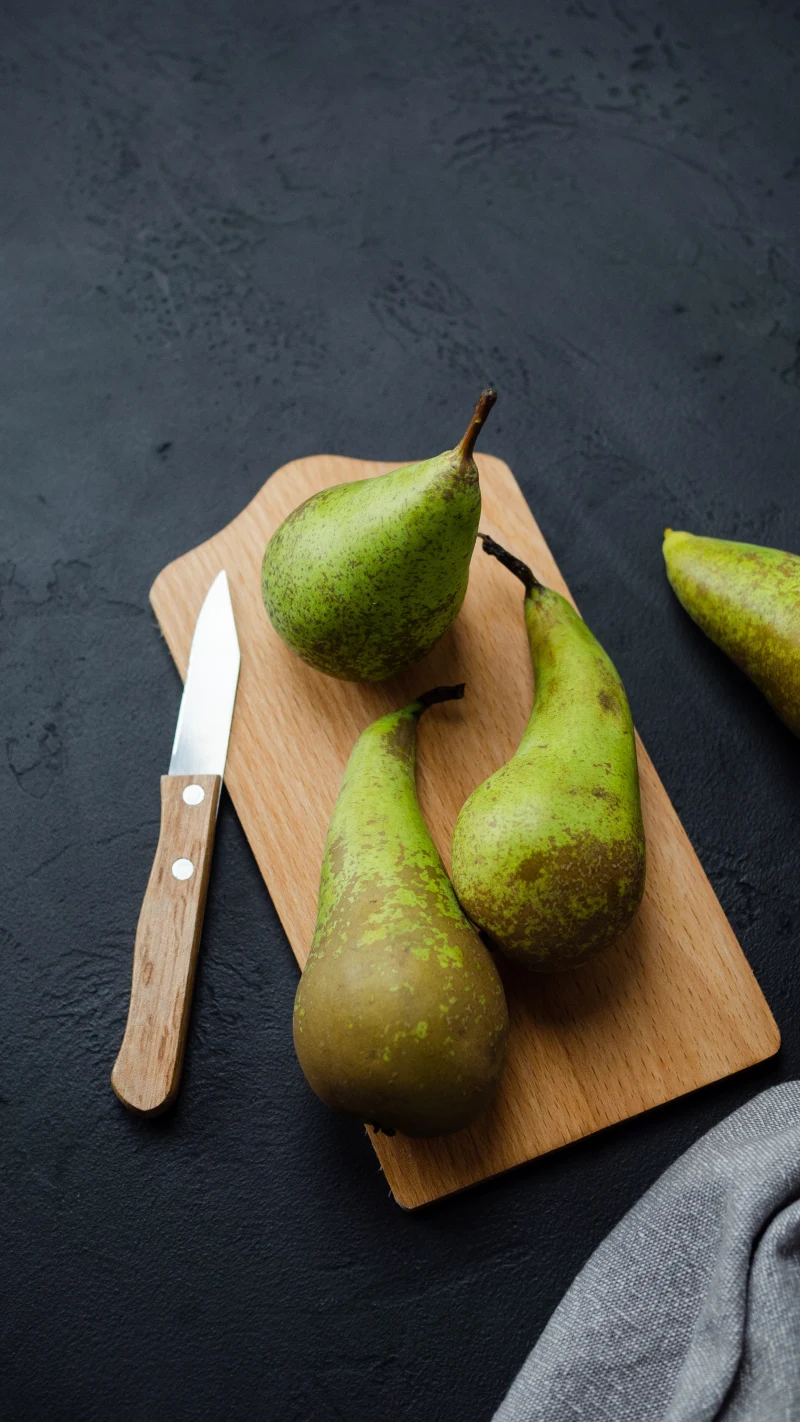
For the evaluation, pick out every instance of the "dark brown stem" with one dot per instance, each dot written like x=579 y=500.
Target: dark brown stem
x=440 y=693
x=514 y=565
x=477 y=422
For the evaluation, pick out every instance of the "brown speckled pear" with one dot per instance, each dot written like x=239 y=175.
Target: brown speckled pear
x=400 y=1017
x=747 y=600
x=549 y=852
x=363 y=578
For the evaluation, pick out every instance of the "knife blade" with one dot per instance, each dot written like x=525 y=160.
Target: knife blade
x=146 y=1074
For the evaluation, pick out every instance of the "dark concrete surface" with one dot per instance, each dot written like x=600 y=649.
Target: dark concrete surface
x=234 y=233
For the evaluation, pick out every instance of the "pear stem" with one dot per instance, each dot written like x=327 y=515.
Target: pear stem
x=477 y=422
x=440 y=693
x=514 y=565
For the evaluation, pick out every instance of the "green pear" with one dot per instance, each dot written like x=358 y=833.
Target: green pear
x=363 y=578
x=400 y=1017
x=549 y=852
x=747 y=600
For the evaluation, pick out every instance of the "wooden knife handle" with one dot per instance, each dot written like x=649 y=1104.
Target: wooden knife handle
x=147 y=1071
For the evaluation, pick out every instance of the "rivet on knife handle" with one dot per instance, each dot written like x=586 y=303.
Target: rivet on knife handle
x=147 y=1071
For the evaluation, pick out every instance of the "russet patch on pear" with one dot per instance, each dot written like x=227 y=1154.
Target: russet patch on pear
x=549 y=852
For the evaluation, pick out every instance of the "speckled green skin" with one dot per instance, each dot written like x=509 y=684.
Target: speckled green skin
x=747 y=600
x=362 y=579
x=400 y=1016
x=549 y=853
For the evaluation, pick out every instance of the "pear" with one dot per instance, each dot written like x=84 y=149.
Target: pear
x=400 y=1017
x=363 y=578
x=549 y=852
x=747 y=600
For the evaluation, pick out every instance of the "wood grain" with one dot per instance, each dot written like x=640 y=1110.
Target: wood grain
x=672 y=1006
x=147 y=1072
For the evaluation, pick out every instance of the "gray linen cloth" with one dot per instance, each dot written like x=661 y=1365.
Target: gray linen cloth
x=690 y=1310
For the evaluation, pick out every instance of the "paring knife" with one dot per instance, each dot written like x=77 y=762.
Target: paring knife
x=147 y=1071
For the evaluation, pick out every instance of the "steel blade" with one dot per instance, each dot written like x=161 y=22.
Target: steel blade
x=204 y=720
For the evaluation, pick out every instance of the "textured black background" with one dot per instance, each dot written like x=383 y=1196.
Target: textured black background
x=235 y=233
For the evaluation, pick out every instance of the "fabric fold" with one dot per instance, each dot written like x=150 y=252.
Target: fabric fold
x=690 y=1310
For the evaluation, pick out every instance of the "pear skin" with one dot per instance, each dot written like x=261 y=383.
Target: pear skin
x=363 y=578
x=549 y=852
x=400 y=1017
x=747 y=600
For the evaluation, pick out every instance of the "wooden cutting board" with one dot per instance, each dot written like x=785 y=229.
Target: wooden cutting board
x=670 y=1007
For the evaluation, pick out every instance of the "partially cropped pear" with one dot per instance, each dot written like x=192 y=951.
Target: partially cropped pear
x=747 y=600
x=400 y=1017
x=363 y=578
x=549 y=852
